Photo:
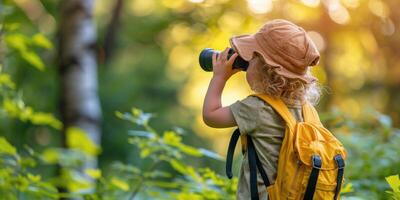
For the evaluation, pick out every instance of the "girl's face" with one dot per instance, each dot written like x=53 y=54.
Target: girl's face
x=251 y=73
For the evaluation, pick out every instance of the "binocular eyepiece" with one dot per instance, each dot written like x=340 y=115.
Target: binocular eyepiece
x=205 y=60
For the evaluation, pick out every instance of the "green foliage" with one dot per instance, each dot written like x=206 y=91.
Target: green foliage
x=24 y=45
x=18 y=45
x=394 y=182
x=202 y=183
x=16 y=108
x=372 y=145
x=180 y=181
x=6 y=148
x=167 y=147
x=77 y=139
x=71 y=159
x=16 y=181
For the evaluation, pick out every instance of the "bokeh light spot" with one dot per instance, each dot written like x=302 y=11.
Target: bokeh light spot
x=181 y=57
x=231 y=20
x=300 y=13
x=387 y=27
x=311 y=3
x=260 y=6
x=196 y=1
x=339 y=14
x=378 y=8
x=351 y=3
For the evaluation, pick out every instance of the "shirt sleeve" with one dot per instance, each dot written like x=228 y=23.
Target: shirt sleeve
x=246 y=114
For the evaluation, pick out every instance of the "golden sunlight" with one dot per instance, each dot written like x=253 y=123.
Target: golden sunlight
x=338 y=13
x=311 y=3
x=378 y=8
x=142 y=7
x=260 y=6
x=196 y=1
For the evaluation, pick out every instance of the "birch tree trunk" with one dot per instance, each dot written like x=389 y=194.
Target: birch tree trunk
x=79 y=101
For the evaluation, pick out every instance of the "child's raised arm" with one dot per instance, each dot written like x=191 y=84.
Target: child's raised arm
x=214 y=115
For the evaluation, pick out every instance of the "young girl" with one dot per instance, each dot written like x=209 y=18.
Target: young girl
x=280 y=55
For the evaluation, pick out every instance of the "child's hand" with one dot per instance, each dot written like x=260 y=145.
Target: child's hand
x=222 y=67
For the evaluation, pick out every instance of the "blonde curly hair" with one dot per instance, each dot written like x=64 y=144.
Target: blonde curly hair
x=291 y=91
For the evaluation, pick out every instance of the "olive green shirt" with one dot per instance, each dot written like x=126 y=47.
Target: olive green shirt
x=267 y=128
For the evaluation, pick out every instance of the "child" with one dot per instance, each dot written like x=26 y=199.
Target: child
x=279 y=56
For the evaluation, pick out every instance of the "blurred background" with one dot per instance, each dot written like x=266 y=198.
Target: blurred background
x=146 y=56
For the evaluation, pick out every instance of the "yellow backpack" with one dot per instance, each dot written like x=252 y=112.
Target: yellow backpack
x=311 y=159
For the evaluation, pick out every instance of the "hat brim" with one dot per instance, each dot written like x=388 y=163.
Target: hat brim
x=247 y=45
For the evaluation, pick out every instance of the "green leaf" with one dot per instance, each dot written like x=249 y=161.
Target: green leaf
x=178 y=166
x=120 y=184
x=33 y=59
x=50 y=155
x=6 y=147
x=93 y=173
x=11 y=107
x=41 y=41
x=34 y=178
x=119 y=114
x=191 y=196
x=25 y=113
x=394 y=182
x=17 y=41
x=171 y=138
x=46 y=118
x=145 y=152
x=78 y=139
x=347 y=188
x=5 y=79
x=189 y=150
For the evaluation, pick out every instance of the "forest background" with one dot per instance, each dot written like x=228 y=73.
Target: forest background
x=102 y=99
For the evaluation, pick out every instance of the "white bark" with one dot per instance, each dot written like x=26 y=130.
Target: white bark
x=79 y=101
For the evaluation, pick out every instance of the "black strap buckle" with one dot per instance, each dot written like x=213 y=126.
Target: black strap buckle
x=339 y=161
x=312 y=180
x=316 y=161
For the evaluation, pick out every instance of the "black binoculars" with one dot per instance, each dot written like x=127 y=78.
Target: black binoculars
x=205 y=60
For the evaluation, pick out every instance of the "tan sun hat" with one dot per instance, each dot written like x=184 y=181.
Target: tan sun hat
x=283 y=45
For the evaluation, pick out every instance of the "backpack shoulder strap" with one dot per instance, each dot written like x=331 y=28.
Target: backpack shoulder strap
x=280 y=107
x=310 y=114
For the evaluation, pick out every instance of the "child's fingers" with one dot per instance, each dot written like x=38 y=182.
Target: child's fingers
x=224 y=54
x=214 y=59
x=232 y=59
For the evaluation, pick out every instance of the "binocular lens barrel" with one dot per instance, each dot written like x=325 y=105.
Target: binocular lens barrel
x=205 y=60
